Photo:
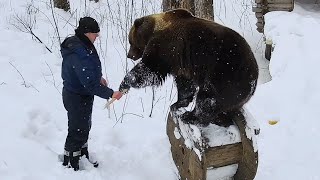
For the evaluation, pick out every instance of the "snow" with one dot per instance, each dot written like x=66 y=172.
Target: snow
x=289 y=148
x=221 y=135
x=129 y=144
x=222 y=173
x=252 y=128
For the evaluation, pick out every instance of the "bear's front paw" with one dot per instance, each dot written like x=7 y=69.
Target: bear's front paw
x=189 y=118
x=174 y=107
x=124 y=87
x=179 y=104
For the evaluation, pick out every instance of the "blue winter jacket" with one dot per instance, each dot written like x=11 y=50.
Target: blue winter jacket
x=81 y=69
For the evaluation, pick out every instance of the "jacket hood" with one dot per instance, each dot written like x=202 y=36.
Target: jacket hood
x=69 y=45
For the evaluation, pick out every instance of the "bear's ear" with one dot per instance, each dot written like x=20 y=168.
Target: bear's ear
x=138 y=22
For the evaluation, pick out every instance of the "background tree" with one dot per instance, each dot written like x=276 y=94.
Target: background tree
x=173 y=4
x=200 y=8
x=62 y=4
x=204 y=9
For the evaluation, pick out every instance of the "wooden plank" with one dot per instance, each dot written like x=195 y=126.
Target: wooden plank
x=260 y=20
x=280 y=1
x=279 y=9
x=258 y=15
x=259 y=24
x=223 y=155
x=260 y=30
x=260 y=8
x=280 y=6
x=186 y=160
x=247 y=167
x=256 y=9
x=192 y=168
x=259 y=1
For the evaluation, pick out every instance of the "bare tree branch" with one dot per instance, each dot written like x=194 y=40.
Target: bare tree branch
x=54 y=81
x=55 y=21
x=27 y=27
x=24 y=81
x=120 y=118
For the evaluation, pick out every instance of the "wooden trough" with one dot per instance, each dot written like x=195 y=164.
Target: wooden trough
x=196 y=159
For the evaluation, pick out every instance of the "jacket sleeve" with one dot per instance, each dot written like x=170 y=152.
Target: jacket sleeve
x=90 y=74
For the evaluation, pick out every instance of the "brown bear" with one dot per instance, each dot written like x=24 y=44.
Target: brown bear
x=208 y=61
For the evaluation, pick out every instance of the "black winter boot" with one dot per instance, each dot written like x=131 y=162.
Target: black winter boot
x=85 y=152
x=65 y=160
x=72 y=159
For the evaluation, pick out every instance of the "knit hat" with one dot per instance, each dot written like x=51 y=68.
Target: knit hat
x=87 y=25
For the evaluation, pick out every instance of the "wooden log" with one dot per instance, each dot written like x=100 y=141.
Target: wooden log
x=194 y=162
x=262 y=7
x=248 y=166
x=259 y=1
x=260 y=20
x=257 y=9
x=259 y=15
x=280 y=6
x=187 y=161
x=260 y=27
x=278 y=9
x=279 y=1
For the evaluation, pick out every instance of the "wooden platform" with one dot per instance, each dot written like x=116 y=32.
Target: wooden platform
x=195 y=157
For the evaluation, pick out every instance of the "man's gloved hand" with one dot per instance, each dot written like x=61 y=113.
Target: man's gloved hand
x=117 y=95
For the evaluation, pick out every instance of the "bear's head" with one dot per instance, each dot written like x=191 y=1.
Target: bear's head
x=139 y=35
x=145 y=27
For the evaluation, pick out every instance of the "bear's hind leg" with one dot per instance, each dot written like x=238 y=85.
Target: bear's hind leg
x=224 y=118
x=204 y=112
x=209 y=110
x=186 y=91
x=206 y=109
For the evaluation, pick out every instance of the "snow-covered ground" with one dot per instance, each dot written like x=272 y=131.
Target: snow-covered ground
x=129 y=144
x=289 y=149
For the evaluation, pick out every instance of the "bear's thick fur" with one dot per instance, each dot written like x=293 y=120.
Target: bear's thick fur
x=206 y=59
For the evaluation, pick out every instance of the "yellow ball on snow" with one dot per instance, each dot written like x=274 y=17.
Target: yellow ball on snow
x=273 y=122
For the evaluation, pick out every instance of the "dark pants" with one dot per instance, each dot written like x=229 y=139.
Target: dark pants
x=79 y=108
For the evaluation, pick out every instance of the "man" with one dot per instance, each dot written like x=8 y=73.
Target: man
x=82 y=79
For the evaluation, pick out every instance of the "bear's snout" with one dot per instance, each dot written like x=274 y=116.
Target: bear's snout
x=134 y=53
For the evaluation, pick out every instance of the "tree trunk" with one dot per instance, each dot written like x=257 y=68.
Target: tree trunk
x=62 y=4
x=204 y=9
x=174 y=4
x=200 y=8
